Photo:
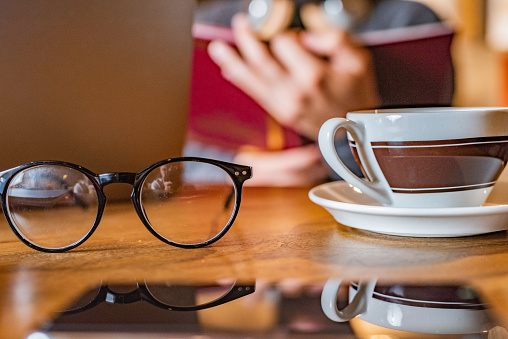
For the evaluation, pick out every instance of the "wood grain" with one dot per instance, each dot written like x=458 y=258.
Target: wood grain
x=279 y=234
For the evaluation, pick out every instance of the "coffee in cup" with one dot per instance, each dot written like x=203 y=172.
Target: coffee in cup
x=422 y=157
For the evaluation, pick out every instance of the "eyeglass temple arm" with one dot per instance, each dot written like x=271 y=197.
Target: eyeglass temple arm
x=229 y=198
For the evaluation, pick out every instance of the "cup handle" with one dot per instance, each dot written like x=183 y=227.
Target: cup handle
x=376 y=187
x=357 y=306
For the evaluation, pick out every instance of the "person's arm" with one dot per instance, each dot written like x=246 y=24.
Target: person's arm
x=299 y=166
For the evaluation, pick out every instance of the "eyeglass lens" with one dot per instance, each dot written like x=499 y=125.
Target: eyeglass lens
x=186 y=296
x=52 y=206
x=55 y=206
x=184 y=209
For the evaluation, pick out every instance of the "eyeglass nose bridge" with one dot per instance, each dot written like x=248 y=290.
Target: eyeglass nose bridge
x=113 y=297
x=117 y=178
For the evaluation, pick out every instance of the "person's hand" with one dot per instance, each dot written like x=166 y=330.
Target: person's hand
x=302 y=79
x=300 y=166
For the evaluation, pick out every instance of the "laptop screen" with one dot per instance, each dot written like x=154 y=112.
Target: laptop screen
x=103 y=84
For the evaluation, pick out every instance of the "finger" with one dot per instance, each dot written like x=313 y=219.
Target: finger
x=232 y=66
x=254 y=51
x=235 y=70
x=302 y=65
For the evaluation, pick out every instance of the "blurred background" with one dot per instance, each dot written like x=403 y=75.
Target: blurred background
x=480 y=49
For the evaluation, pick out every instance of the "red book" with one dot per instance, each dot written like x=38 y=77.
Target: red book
x=413 y=64
x=409 y=72
x=220 y=113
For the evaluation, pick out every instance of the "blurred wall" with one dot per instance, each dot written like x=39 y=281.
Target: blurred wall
x=479 y=49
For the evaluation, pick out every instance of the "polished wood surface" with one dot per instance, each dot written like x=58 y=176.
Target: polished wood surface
x=279 y=234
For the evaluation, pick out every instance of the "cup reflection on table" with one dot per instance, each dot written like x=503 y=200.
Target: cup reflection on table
x=411 y=311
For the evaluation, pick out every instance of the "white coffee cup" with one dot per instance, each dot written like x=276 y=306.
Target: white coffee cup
x=419 y=309
x=423 y=157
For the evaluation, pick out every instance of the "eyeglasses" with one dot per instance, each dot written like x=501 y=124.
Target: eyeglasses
x=188 y=202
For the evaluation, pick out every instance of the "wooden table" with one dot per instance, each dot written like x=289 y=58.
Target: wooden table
x=279 y=234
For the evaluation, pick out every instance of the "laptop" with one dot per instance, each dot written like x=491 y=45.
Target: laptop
x=103 y=84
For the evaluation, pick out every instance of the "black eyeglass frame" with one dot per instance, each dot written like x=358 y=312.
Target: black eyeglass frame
x=238 y=174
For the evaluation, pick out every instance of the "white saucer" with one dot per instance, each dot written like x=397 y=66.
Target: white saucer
x=350 y=207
